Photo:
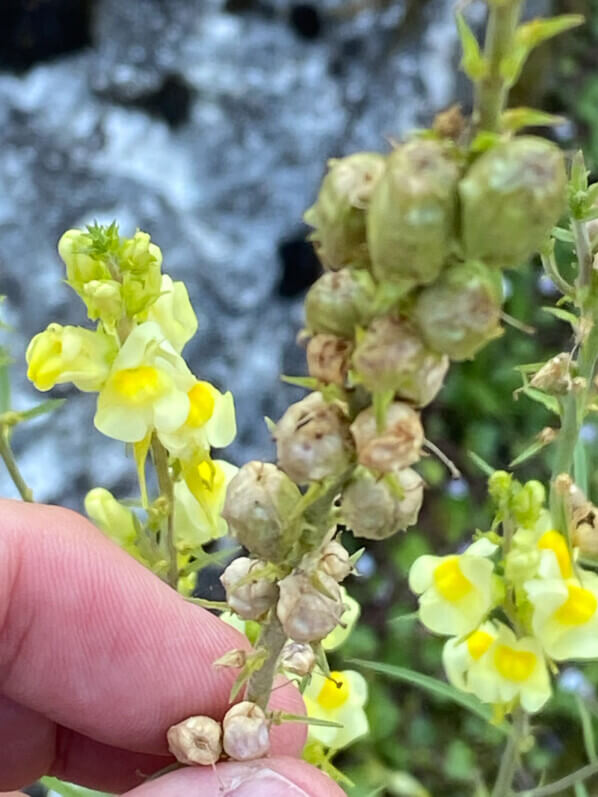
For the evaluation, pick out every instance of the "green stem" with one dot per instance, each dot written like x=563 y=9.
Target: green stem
x=492 y=91
x=160 y=457
x=560 y=786
x=272 y=639
x=13 y=469
x=510 y=757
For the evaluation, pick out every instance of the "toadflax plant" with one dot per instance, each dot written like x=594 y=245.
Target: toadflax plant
x=413 y=244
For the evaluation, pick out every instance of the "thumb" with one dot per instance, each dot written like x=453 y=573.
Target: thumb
x=267 y=777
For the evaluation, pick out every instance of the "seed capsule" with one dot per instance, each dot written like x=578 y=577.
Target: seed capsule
x=339 y=213
x=371 y=508
x=249 y=598
x=335 y=561
x=309 y=613
x=337 y=302
x=313 y=440
x=397 y=445
x=298 y=658
x=259 y=501
x=196 y=740
x=512 y=196
x=392 y=357
x=411 y=218
x=328 y=358
x=246 y=733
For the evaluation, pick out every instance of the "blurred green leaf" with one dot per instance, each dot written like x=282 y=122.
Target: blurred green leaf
x=432 y=686
x=515 y=119
x=550 y=402
x=69 y=789
x=473 y=62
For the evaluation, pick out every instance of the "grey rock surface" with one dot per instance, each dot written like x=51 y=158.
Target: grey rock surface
x=210 y=130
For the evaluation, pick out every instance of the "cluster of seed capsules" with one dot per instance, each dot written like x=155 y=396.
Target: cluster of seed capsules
x=413 y=245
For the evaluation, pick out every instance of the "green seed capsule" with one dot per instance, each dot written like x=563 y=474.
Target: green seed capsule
x=339 y=301
x=512 y=197
x=338 y=215
x=391 y=356
x=411 y=218
x=460 y=312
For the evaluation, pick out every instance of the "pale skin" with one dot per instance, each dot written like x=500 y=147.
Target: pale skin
x=98 y=658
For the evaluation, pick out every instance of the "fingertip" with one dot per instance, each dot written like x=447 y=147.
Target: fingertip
x=268 y=777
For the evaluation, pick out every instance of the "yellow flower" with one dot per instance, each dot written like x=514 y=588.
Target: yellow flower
x=209 y=423
x=116 y=521
x=540 y=552
x=459 y=654
x=70 y=354
x=174 y=313
x=339 y=635
x=341 y=698
x=147 y=388
x=456 y=591
x=565 y=615
x=509 y=669
x=198 y=519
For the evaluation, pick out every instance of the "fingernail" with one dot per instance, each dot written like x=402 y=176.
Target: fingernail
x=262 y=783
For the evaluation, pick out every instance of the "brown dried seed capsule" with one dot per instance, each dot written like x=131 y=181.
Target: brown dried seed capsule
x=196 y=740
x=298 y=658
x=391 y=356
x=259 y=502
x=307 y=612
x=335 y=561
x=398 y=445
x=313 y=440
x=250 y=599
x=411 y=218
x=511 y=198
x=328 y=358
x=339 y=212
x=460 y=312
x=246 y=734
x=555 y=375
x=371 y=508
x=337 y=302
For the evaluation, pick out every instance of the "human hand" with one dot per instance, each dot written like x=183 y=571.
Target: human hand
x=98 y=658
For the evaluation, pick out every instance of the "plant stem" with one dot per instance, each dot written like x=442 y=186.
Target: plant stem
x=560 y=786
x=13 y=469
x=160 y=457
x=510 y=757
x=492 y=90
x=272 y=639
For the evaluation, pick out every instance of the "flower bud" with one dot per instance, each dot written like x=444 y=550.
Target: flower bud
x=260 y=499
x=512 y=196
x=392 y=357
x=337 y=302
x=246 y=733
x=313 y=440
x=396 y=446
x=460 y=312
x=70 y=354
x=250 y=597
x=103 y=300
x=298 y=658
x=411 y=218
x=328 y=358
x=82 y=264
x=307 y=612
x=115 y=520
x=371 y=508
x=195 y=741
x=339 y=213
x=335 y=561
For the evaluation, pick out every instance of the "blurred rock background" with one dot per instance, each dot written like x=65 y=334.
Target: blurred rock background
x=206 y=123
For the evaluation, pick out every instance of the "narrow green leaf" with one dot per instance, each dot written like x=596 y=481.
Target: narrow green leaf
x=563 y=315
x=309 y=382
x=404 y=618
x=517 y=118
x=550 y=402
x=41 y=409
x=69 y=789
x=531 y=34
x=434 y=687
x=473 y=62
x=564 y=235
x=529 y=452
x=486 y=469
x=301 y=718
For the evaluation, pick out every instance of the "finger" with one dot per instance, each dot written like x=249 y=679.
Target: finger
x=268 y=777
x=95 y=642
